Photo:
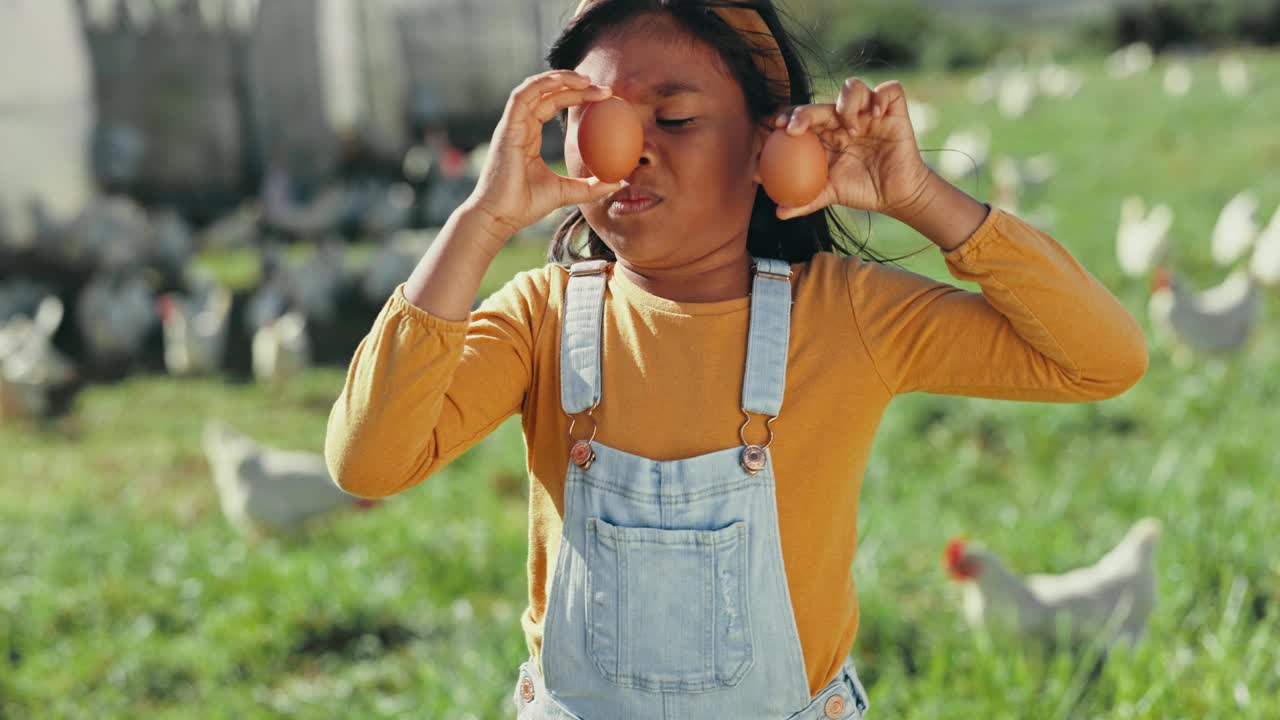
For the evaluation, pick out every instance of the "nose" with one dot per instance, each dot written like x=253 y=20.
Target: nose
x=648 y=151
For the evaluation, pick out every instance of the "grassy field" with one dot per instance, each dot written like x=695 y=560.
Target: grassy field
x=124 y=593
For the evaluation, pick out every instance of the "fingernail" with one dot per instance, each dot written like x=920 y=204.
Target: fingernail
x=780 y=119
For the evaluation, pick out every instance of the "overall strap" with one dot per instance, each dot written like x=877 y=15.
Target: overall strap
x=766 y=371
x=580 y=336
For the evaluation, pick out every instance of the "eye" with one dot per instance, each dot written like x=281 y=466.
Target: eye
x=675 y=122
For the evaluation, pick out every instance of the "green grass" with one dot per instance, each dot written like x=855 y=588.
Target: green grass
x=124 y=593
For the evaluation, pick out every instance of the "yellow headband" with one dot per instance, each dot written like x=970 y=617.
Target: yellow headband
x=749 y=23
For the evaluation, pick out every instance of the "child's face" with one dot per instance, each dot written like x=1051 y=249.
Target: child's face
x=703 y=172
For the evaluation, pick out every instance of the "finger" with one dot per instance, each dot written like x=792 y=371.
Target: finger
x=855 y=97
x=577 y=191
x=817 y=117
x=890 y=99
x=553 y=102
x=789 y=212
x=533 y=88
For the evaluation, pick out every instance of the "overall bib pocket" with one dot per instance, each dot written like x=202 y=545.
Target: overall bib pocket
x=667 y=610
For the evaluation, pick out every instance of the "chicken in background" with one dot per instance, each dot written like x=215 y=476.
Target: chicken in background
x=195 y=328
x=1214 y=321
x=310 y=285
x=1012 y=178
x=280 y=348
x=32 y=370
x=1233 y=75
x=115 y=313
x=1265 y=264
x=393 y=263
x=1235 y=230
x=267 y=491
x=1017 y=92
x=924 y=117
x=273 y=296
x=172 y=244
x=1142 y=241
x=1107 y=601
x=318 y=279
x=1130 y=61
x=965 y=154
x=392 y=211
x=1178 y=79
x=237 y=229
x=1059 y=81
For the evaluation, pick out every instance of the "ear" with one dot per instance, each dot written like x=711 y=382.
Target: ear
x=757 y=147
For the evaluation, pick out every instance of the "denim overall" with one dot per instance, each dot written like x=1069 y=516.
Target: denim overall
x=669 y=599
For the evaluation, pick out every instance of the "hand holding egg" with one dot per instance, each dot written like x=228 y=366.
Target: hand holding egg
x=516 y=188
x=872 y=161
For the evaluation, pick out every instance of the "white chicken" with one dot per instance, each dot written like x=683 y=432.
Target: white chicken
x=1059 y=81
x=280 y=348
x=924 y=117
x=1017 y=93
x=966 y=153
x=1130 y=61
x=1010 y=178
x=1177 y=79
x=1235 y=230
x=31 y=368
x=1142 y=241
x=195 y=329
x=1233 y=74
x=982 y=88
x=1265 y=264
x=265 y=490
x=1217 y=320
x=1109 y=600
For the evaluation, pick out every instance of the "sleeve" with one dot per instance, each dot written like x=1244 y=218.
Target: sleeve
x=421 y=390
x=1042 y=328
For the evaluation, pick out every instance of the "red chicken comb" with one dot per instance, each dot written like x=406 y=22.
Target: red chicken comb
x=164 y=306
x=959 y=567
x=1162 y=279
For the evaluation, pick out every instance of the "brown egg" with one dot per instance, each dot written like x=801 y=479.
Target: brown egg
x=793 y=167
x=610 y=138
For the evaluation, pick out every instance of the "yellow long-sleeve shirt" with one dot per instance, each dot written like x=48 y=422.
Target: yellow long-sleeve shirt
x=421 y=390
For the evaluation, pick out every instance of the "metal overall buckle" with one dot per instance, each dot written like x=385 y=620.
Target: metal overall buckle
x=753 y=456
x=581 y=453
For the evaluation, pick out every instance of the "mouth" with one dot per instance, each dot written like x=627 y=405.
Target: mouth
x=631 y=200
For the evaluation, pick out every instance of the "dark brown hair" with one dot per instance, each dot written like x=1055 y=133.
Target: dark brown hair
x=794 y=240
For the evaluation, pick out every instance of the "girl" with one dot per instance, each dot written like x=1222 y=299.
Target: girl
x=700 y=394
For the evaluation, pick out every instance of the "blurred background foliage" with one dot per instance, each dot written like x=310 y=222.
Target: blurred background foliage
x=949 y=35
